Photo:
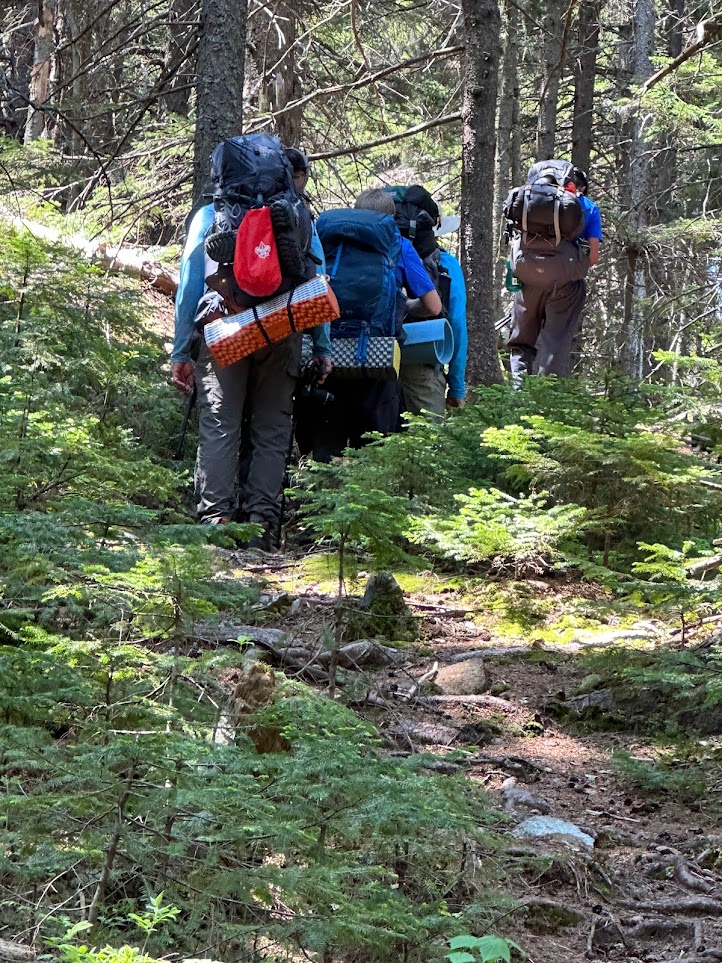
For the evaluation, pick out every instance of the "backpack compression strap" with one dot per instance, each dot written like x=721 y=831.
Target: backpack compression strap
x=557 y=205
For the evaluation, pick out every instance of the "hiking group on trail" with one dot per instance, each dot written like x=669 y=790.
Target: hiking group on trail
x=290 y=330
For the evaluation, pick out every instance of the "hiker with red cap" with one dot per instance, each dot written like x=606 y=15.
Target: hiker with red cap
x=555 y=233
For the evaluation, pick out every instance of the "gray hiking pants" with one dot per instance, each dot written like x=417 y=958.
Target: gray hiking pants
x=543 y=327
x=265 y=382
x=424 y=388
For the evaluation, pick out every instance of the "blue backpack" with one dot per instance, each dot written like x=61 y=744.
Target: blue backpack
x=362 y=250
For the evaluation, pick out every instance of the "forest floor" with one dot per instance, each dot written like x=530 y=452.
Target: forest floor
x=638 y=875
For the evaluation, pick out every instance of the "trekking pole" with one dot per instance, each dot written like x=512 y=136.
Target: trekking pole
x=190 y=405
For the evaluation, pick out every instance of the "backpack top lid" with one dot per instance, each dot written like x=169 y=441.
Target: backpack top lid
x=250 y=165
x=553 y=172
x=368 y=229
x=417 y=215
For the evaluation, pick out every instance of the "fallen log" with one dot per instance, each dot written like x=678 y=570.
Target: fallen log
x=118 y=260
x=16 y=951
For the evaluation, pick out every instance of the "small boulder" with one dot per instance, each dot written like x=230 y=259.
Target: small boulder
x=553 y=828
x=464 y=678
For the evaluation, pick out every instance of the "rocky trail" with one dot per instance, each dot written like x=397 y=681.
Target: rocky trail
x=602 y=867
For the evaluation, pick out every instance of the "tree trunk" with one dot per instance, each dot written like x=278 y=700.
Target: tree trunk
x=638 y=217
x=40 y=73
x=117 y=260
x=508 y=101
x=482 y=24
x=552 y=24
x=675 y=27
x=219 y=89
x=664 y=166
x=274 y=45
x=181 y=32
x=585 y=69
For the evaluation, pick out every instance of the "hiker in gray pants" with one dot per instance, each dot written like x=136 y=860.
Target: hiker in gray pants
x=556 y=315
x=268 y=377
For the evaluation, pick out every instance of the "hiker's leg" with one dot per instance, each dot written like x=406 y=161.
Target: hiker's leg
x=379 y=409
x=274 y=371
x=527 y=314
x=563 y=316
x=424 y=388
x=330 y=427
x=244 y=453
x=221 y=393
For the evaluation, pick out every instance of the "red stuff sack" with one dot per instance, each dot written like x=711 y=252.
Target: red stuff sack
x=255 y=265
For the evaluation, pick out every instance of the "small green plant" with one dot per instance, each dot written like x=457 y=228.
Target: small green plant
x=70 y=951
x=481 y=949
x=351 y=515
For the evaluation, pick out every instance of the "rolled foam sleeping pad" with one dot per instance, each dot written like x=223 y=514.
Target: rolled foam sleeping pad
x=427 y=342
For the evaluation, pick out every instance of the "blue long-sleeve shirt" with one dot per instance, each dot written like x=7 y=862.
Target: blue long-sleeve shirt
x=457 y=319
x=191 y=286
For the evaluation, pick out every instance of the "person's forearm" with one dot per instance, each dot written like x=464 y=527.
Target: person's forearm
x=593 y=250
x=415 y=309
x=321 y=337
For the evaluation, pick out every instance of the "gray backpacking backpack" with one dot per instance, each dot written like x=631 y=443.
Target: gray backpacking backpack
x=544 y=222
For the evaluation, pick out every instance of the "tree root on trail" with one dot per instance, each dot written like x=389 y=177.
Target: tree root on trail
x=492 y=653
x=706 y=956
x=493 y=702
x=689 y=904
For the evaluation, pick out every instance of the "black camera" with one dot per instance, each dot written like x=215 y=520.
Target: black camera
x=310 y=393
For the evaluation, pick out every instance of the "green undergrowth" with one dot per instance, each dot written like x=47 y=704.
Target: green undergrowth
x=110 y=773
x=552 y=512
x=688 y=771
x=114 y=790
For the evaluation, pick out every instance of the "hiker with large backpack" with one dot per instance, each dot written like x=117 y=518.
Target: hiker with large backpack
x=370 y=266
x=252 y=176
x=429 y=387
x=591 y=238
x=548 y=257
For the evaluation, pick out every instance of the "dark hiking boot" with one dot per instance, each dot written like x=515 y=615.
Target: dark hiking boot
x=264 y=542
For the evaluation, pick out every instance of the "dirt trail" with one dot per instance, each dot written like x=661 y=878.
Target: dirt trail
x=649 y=887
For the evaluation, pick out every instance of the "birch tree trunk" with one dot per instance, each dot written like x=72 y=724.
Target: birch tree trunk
x=40 y=74
x=482 y=25
x=219 y=88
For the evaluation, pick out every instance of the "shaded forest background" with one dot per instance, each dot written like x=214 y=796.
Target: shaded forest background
x=118 y=105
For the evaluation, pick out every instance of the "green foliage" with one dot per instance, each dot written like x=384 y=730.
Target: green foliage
x=357 y=849
x=341 y=508
x=671 y=774
x=491 y=525
x=558 y=470
x=481 y=949
x=84 y=410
